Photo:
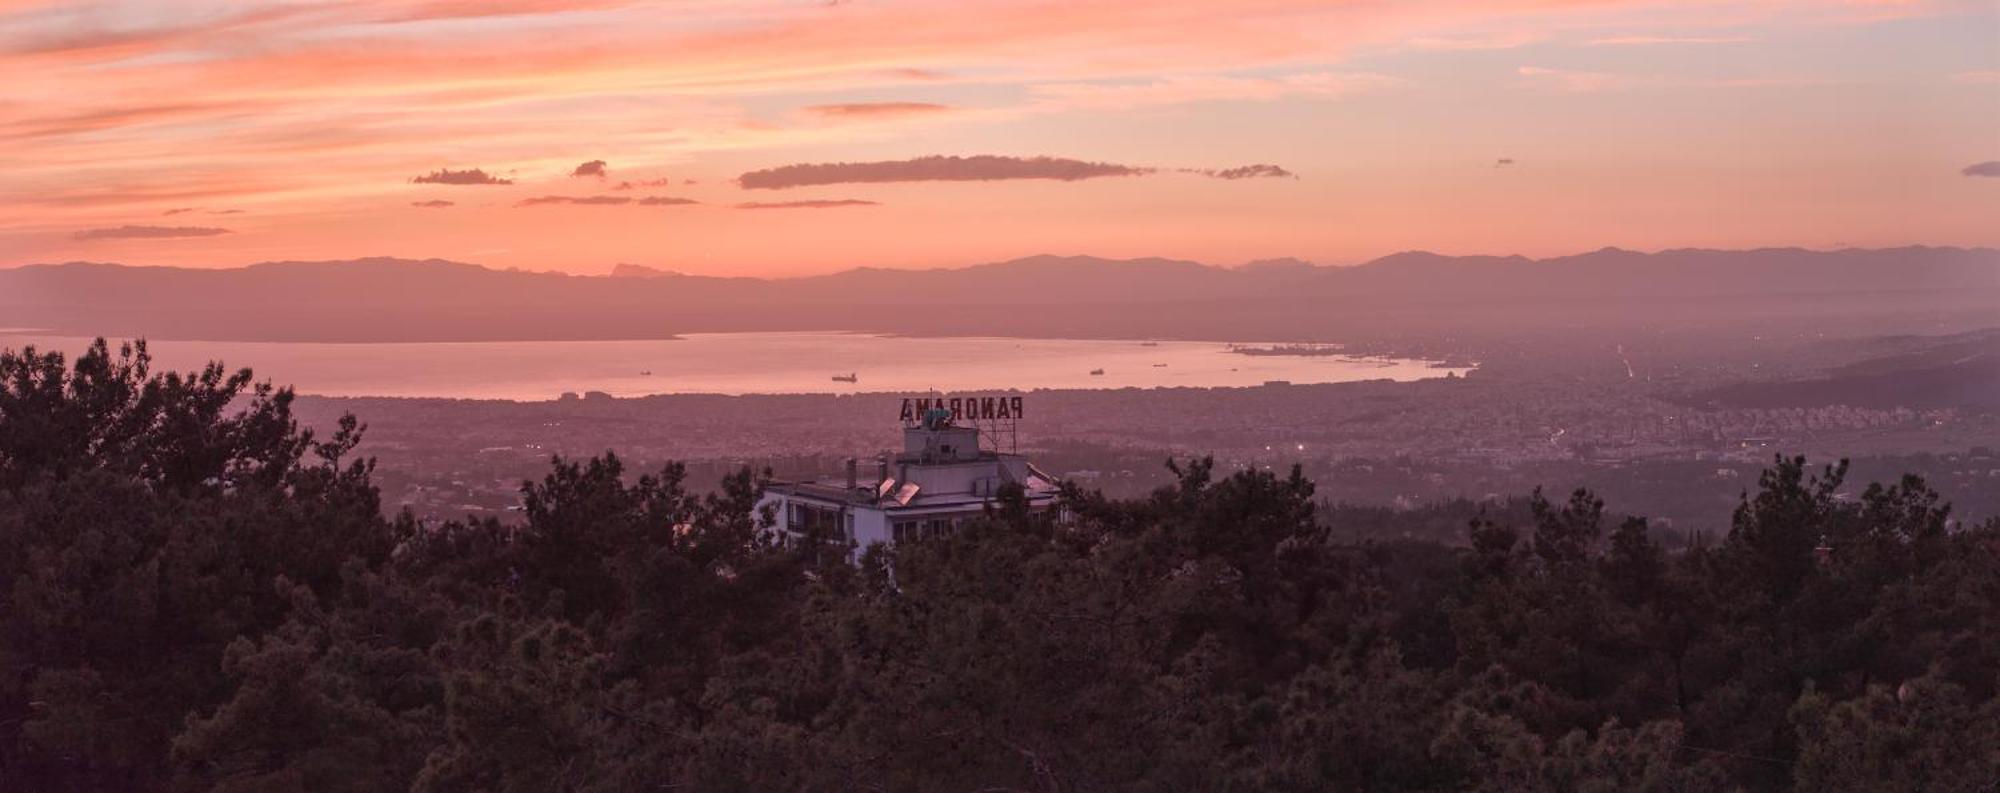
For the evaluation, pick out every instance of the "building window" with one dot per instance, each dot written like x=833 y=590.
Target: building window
x=826 y=524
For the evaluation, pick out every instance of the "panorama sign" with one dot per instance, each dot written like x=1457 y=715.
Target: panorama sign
x=962 y=408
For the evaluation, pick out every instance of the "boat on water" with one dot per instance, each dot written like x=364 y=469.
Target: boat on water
x=1097 y=371
x=847 y=378
x=1149 y=344
x=1159 y=366
x=645 y=373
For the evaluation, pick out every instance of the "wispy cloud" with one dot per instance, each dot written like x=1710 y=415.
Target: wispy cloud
x=1592 y=82
x=1259 y=171
x=1564 y=79
x=119 y=116
x=590 y=200
x=978 y=168
x=178 y=211
x=1987 y=168
x=1204 y=88
x=606 y=200
x=1491 y=41
x=432 y=204
x=877 y=109
x=148 y=232
x=372 y=97
x=469 y=177
x=812 y=204
x=592 y=168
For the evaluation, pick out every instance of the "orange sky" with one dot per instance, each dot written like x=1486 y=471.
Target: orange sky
x=222 y=133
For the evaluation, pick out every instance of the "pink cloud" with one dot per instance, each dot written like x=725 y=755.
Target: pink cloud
x=1492 y=41
x=120 y=117
x=353 y=87
x=1209 y=88
x=877 y=109
x=592 y=168
x=1579 y=82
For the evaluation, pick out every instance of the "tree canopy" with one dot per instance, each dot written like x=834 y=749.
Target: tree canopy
x=196 y=593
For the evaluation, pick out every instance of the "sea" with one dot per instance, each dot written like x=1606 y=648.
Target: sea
x=750 y=363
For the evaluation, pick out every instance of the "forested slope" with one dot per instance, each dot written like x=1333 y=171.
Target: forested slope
x=197 y=595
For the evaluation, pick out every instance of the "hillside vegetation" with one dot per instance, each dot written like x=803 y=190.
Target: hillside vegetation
x=195 y=594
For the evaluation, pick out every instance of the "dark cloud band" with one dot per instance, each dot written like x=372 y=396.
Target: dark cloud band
x=814 y=204
x=1259 y=171
x=148 y=232
x=593 y=200
x=980 y=168
x=451 y=177
x=606 y=200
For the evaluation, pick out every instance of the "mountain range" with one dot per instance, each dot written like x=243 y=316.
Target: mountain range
x=1408 y=296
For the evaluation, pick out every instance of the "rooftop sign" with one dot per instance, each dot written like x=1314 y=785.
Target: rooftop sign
x=962 y=408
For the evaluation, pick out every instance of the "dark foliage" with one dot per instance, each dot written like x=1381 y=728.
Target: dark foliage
x=197 y=594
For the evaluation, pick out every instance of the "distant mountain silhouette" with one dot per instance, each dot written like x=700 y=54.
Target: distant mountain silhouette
x=622 y=270
x=1408 y=295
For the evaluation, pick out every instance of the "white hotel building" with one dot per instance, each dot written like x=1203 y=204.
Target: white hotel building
x=942 y=478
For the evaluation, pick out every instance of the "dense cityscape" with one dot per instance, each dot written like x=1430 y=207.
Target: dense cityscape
x=1661 y=447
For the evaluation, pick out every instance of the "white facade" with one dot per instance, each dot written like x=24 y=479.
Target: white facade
x=942 y=479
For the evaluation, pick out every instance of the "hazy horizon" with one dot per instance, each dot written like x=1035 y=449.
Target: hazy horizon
x=644 y=269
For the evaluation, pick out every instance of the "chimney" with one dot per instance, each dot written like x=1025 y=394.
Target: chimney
x=851 y=481
x=883 y=461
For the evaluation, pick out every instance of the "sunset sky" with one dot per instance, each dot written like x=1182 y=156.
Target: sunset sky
x=779 y=137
